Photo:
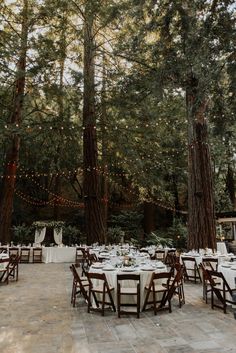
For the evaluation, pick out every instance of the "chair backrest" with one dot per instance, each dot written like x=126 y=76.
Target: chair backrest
x=92 y=258
x=163 y=276
x=96 y=275
x=144 y=250
x=160 y=254
x=171 y=257
x=210 y=263
x=215 y=277
x=101 y=277
x=37 y=255
x=78 y=280
x=11 y=267
x=14 y=251
x=75 y=274
x=128 y=276
x=190 y=259
x=78 y=254
x=24 y=254
x=171 y=290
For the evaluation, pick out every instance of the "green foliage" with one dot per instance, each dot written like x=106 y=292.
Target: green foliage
x=154 y=48
x=156 y=239
x=72 y=235
x=129 y=222
x=115 y=235
x=175 y=236
x=23 y=234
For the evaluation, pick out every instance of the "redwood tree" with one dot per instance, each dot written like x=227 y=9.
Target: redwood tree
x=12 y=153
x=95 y=229
x=201 y=213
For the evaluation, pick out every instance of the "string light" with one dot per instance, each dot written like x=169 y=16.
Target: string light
x=28 y=199
x=122 y=126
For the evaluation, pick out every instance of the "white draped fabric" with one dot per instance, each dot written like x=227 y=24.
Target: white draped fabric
x=39 y=235
x=57 y=233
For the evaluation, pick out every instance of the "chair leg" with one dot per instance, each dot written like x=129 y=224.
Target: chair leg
x=212 y=299
x=146 y=300
x=118 y=300
x=89 y=300
x=72 y=293
x=112 y=302
x=138 y=301
x=154 y=302
x=103 y=302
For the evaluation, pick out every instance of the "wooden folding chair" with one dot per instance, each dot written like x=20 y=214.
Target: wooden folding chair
x=101 y=292
x=160 y=255
x=166 y=299
x=191 y=270
x=24 y=255
x=170 y=258
x=12 y=269
x=128 y=285
x=179 y=288
x=37 y=255
x=158 y=286
x=80 y=285
x=79 y=256
x=206 y=286
x=220 y=287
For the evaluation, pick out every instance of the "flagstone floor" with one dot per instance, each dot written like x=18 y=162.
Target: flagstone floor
x=36 y=317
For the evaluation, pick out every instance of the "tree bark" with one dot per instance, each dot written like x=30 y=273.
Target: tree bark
x=104 y=178
x=201 y=213
x=149 y=217
x=12 y=154
x=230 y=185
x=92 y=195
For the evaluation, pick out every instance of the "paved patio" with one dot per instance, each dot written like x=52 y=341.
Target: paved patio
x=36 y=317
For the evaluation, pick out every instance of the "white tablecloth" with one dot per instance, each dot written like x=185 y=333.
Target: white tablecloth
x=56 y=254
x=145 y=277
x=4 y=260
x=230 y=276
x=221 y=247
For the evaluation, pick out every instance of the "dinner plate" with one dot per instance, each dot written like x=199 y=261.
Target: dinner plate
x=160 y=267
x=147 y=268
x=128 y=269
x=226 y=266
x=108 y=269
x=97 y=266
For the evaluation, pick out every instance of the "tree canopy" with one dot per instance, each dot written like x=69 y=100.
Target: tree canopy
x=111 y=104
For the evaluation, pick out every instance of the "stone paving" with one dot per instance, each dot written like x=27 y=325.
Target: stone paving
x=36 y=317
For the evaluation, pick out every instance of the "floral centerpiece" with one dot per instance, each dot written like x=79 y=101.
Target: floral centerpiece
x=128 y=261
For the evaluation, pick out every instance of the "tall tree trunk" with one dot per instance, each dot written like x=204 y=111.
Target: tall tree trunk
x=149 y=225
x=230 y=185
x=12 y=154
x=104 y=178
x=92 y=196
x=60 y=102
x=201 y=213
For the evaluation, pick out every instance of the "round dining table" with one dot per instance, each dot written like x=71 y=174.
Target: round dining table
x=144 y=270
